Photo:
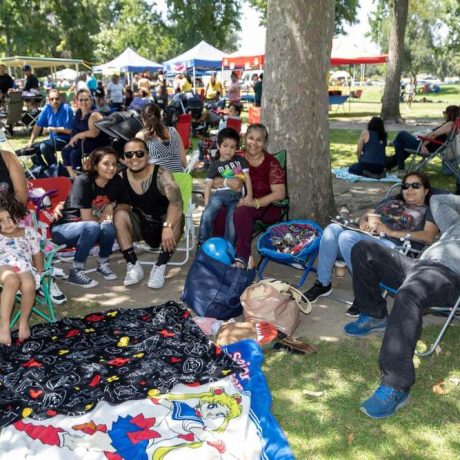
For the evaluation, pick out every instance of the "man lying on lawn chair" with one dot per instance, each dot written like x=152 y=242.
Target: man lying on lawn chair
x=432 y=280
x=156 y=215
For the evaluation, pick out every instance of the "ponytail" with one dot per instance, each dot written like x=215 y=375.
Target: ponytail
x=151 y=117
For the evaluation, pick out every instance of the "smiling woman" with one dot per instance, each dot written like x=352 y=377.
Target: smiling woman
x=87 y=215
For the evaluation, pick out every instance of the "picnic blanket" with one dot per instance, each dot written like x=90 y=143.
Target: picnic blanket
x=209 y=416
x=342 y=173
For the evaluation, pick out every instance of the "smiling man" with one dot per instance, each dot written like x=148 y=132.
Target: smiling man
x=156 y=215
x=57 y=120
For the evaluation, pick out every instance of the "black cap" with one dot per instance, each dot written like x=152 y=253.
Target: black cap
x=26 y=68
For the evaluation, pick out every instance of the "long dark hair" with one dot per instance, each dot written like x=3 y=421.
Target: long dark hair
x=451 y=112
x=15 y=209
x=425 y=181
x=96 y=156
x=376 y=124
x=151 y=117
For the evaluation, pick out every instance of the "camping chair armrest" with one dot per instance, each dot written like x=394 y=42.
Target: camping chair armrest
x=417 y=152
x=433 y=140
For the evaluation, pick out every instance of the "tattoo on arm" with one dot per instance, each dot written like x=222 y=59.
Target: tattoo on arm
x=168 y=187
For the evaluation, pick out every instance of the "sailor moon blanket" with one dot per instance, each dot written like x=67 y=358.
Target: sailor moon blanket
x=228 y=419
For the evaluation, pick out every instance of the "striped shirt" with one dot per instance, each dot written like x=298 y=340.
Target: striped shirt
x=166 y=153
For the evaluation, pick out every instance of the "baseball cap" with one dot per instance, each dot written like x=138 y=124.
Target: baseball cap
x=26 y=68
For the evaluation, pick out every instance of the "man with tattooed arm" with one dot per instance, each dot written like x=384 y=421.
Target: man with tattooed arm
x=155 y=215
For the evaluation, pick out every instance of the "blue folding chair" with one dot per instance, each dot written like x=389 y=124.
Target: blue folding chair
x=302 y=260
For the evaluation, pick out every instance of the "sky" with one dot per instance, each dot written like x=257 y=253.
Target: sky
x=253 y=34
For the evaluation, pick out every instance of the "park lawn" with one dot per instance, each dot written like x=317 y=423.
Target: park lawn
x=332 y=426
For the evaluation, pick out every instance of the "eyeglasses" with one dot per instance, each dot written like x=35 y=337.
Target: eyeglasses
x=138 y=153
x=84 y=100
x=414 y=185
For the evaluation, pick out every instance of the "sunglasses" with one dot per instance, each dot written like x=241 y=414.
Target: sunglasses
x=84 y=100
x=414 y=185
x=138 y=153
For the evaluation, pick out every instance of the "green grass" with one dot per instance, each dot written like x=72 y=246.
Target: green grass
x=331 y=426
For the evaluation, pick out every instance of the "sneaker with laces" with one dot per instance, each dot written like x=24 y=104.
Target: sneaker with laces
x=157 y=277
x=353 y=311
x=364 y=325
x=384 y=402
x=78 y=277
x=104 y=270
x=317 y=291
x=57 y=296
x=134 y=274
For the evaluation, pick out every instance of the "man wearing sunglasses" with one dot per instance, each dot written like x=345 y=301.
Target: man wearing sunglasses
x=155 y=217
x=433 y=280
x=56 y=119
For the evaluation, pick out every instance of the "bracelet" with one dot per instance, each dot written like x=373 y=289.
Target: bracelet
x=257 y=203
x=225 y=182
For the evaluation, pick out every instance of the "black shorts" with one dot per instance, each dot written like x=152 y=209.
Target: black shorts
x=150 y=232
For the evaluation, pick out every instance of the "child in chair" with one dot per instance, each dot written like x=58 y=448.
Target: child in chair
x=20 y=265
x=228 y=166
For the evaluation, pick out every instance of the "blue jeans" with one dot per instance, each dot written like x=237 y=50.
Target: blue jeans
x=220 y=199
x=403 y=140
x=71 y=156
x=336 y=241
x=83 y=236
x=45 y=152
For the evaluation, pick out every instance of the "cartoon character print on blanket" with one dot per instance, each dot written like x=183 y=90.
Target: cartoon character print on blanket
x=116 y=356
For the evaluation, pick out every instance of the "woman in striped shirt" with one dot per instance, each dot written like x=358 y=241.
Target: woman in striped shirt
x=165 y=145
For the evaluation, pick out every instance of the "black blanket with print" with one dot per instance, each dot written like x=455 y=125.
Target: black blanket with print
x=68 y=366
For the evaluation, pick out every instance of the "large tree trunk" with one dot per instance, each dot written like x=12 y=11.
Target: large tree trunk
x=390 y=101
x=294 y=105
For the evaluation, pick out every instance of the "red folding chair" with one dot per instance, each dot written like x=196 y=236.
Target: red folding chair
x=184 y=128
x=235 y=124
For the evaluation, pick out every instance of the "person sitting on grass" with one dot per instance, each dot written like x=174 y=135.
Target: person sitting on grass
x=407 y=214
x=432 y=280
x=88 y=213
x=20 y=265
x=371 y=151
x=227 y=166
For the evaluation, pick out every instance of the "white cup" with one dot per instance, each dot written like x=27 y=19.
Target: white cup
x=340 y=269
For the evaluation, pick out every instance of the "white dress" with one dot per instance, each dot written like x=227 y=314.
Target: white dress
x=18 y=252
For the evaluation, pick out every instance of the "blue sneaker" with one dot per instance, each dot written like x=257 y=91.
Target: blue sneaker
x=384 y=402
x=365 y=325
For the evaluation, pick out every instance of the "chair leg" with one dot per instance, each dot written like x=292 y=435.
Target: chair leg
x=442 y=332
x=262 y=265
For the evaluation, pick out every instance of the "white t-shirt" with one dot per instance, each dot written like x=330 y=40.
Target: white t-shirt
x=115 y=92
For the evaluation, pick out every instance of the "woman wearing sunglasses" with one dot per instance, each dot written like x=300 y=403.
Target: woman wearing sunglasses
x=85 y=136
x=406 y=215
x=87 y=215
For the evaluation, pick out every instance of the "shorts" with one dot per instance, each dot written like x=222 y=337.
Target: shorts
x=150 y=232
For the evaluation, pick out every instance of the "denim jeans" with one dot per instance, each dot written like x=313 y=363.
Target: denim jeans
x=403 y=140
x=71 y=156
x=83 y=236
x=421 y=284
x=45 y=152
x=227 y=199
x=338 y=241
x=358 y=168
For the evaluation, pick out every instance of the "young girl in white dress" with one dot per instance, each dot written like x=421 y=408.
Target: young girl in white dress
x=20 y=265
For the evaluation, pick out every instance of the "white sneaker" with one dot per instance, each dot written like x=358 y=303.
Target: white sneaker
x=134 y=274
x=57 y=296
x=157 y=277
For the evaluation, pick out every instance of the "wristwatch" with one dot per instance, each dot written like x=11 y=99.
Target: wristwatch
x=167 y=224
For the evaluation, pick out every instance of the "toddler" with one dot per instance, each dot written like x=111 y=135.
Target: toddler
x=20 y=265
x=228 y=166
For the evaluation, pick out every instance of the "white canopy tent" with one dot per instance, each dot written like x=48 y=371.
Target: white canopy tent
x=128 y=61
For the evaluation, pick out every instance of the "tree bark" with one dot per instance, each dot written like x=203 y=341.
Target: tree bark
x=295 y=100
x=390 y=101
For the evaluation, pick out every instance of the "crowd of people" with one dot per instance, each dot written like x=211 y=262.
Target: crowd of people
x=134 y=197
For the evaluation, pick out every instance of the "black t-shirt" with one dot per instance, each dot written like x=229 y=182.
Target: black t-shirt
x=31 y=83
x=86 y=194
x=6 y=82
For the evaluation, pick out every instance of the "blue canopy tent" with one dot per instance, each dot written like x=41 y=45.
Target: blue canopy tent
x=128 y=61
x=199 y=58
